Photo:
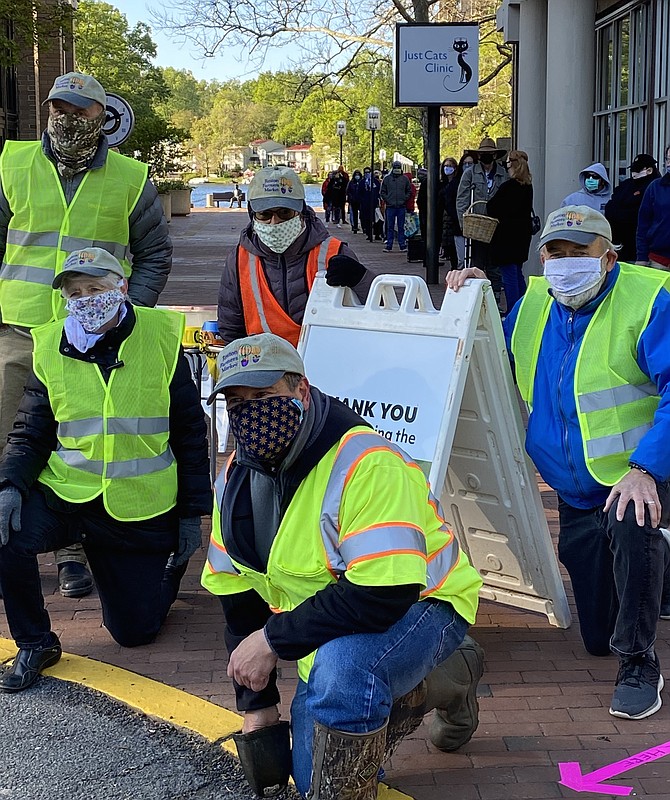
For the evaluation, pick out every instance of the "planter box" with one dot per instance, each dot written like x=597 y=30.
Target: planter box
x=166 y=202
x=181 y=202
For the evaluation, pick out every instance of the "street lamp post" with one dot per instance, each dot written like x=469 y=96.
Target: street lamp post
x=341 y=132
x=382 y=157
x=373 y=122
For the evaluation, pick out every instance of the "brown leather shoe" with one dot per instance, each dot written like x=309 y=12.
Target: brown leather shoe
x=28 y=665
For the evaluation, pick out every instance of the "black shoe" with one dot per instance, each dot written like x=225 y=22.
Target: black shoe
x=28 y=665
x=638 y=687
x=74 y=579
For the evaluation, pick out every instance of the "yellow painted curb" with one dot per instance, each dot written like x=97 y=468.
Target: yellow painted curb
x=156 y=700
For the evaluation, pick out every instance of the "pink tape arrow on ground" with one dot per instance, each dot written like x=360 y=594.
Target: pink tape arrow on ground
x=573 y=778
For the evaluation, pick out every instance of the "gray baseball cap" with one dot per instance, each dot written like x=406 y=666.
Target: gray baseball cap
x=79 y=89
x=578 y=224
x=276 y=187
x=93 y=261
x=257 y=361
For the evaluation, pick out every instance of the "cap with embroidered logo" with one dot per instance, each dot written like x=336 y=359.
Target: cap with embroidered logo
x=257 y=361
x=92 y=261
x=79 y=89
x=276 y=187
x=578 y=224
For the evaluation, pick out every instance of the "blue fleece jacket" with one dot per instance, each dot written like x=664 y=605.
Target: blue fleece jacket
x=583 y=197
x=553 y=439
x=653 y=222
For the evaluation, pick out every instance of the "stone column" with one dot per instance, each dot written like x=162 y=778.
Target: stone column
x=570 y=79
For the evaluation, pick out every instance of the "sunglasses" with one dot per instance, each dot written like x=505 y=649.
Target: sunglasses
x=283 y=214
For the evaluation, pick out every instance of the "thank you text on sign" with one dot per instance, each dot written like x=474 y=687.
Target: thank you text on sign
x=437 y=64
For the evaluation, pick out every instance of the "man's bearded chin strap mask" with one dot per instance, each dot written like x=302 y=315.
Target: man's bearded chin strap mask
x=74 y=140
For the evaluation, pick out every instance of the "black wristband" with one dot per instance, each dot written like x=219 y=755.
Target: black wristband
x=632 y=465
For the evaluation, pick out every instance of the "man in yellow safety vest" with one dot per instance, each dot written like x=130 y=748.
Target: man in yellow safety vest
x=328 y=549
x=109 y=450
x=591 y=352
x=66 y=192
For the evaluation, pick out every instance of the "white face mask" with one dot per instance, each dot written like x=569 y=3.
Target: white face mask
x=573 y=276
x=281 y=236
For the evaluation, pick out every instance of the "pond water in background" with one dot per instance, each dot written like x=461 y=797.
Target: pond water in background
x=312 y=193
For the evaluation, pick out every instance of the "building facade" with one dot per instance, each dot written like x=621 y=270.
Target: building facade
x=592 y=83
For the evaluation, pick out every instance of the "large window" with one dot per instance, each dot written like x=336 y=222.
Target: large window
x=632 y=84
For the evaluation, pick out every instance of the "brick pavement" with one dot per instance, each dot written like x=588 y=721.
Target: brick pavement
x=543 y=699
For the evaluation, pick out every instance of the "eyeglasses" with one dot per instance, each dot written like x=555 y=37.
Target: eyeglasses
x=283 y=214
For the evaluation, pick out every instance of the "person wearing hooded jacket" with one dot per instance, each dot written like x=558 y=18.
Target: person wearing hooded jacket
x=355 y=195
x=653 y=228
x=109 y=448
x=596 y=189
x=267 y=278
x=68 y=191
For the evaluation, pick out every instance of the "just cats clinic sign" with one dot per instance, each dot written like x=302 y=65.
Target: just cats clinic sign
x=436 y=64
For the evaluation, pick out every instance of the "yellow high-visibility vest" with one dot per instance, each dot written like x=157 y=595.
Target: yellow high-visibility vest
x=337 y=524
x=113 y=437
x=44 y=229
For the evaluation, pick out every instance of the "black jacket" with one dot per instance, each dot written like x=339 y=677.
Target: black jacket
x=511 y=205
x=33 y=437
x=622 y=212
x=340 y=609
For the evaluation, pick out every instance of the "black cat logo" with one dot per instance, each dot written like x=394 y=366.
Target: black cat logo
x=461 y=47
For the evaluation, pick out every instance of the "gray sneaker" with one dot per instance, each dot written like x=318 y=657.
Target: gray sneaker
x=638 y=687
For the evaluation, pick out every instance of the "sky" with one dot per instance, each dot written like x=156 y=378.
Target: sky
x=172 y=54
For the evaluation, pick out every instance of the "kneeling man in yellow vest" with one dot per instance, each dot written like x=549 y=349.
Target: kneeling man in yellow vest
x=108 y=449
x=591 y=352
x=329 y=549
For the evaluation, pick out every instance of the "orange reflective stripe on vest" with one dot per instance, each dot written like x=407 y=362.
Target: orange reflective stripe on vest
x=262 y=311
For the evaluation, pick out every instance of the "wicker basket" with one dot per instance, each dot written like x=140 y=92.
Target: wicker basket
x=478 y=226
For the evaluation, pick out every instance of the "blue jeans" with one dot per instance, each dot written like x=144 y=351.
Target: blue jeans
x=355 y=679
x=514 y=284
x=393 y=215
x=617 y=573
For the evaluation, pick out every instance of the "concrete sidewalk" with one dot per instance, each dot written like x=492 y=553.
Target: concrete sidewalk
x=543 y=700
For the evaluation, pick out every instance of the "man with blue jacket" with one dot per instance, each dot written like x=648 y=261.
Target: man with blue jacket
x=590 y=348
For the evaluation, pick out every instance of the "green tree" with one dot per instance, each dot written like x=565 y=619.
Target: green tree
x=188 y=99
x=29 y=24
x=120 y=57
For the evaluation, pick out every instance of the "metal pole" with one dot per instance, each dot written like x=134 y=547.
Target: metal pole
x=372 y=186
x=341 y=137
x=431 y=258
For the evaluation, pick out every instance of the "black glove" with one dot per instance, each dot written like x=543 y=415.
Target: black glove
x=190 y=539
x=10 y=512
x=344 y=271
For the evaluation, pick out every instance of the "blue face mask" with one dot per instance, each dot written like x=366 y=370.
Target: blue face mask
x=448 y=170
x=466 y=167
x=591 y=184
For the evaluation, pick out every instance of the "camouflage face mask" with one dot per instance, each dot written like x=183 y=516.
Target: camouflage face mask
x=74 y=140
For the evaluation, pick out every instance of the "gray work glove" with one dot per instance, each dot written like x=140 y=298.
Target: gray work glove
x=190 y=539
x=10 y=512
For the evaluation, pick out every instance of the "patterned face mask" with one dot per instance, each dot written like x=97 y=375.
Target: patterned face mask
x=281 y=236
x=266 y=427
x=95 y=311
x=74 y=140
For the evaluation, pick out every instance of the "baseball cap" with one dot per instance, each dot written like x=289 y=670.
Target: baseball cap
x=276 y=187
x=642 y=161
x=79 y=89
x=257 y=361
x=578 y=224
x=91 y=261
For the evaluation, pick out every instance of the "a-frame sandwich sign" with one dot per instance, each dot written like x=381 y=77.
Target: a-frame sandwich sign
x=437 y=382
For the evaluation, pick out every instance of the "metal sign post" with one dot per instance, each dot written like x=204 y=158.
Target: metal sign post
x=373 y=122
x=341 y=132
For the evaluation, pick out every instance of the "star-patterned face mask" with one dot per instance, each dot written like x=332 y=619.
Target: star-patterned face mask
x=266 y=427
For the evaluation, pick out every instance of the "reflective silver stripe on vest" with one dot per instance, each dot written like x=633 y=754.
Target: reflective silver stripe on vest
x=70 y=243
x=33 y=238
x=617 y=443
x=129 y=425
x=616 y=396
x=323 y=255
x=384 y=540
x=132 y=468
x=256 y=291
x=17 y=272
x=219 y=560
x=440 y=565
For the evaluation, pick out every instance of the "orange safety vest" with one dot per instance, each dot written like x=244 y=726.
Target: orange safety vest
x=262 y=312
